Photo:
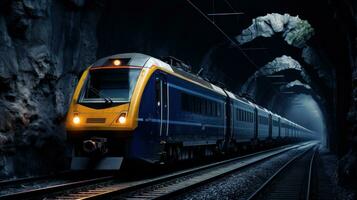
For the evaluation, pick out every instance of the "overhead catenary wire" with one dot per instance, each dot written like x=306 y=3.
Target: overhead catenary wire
x=224 y=14
x=224 y=34
x=233 y=42
x=230 y=5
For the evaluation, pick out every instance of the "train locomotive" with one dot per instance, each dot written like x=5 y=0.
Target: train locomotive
x=136 y=107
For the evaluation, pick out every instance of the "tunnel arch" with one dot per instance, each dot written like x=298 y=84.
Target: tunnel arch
x=278 y=65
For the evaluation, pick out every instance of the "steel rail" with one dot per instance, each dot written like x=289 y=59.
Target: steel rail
x=5 y=183
x=54 y=188
x=310 y=175
x=230 y=166
x=278 y=172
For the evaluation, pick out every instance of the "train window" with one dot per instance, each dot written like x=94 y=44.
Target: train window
x=185 y=102
x=199 y=105
x=196 y=103
x=191 y=103
x=116 y=85
x=276 y=123
x=214 y=112
x=263 y=120
x=203 y=106
x=208 y=108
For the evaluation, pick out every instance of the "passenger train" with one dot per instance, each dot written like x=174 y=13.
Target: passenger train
x=136 y=107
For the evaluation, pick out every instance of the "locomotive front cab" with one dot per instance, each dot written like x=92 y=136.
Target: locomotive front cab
x=103 y=113
x=102 y=121
x=102 y=100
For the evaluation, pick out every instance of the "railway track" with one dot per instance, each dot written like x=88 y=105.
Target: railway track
x=164 y=186
x=24 y=180
x=167 y=186
x=292 y=181
x=63 y=183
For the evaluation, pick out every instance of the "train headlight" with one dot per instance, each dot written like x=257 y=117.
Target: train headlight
x=122 y=118
x=76 y=119
x=116 y=62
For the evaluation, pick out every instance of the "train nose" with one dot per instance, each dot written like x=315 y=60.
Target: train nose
x=95 y=145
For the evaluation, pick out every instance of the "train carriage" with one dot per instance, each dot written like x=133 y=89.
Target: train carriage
x=242 y=115
x=275 y=126
x=185 y=113
x=263 y=123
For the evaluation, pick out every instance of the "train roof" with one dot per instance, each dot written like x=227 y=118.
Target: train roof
x=240 y=99
x=146 y=61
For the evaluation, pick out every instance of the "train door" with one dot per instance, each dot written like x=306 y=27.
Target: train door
x=228 y=114
x=279 y=130
x=162 y=102
x=270 y=126
x=256 y=122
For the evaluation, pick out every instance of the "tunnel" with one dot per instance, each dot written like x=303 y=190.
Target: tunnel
x=282 y=55
x=224 y=62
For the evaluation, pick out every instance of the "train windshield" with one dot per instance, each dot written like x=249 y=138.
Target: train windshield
x=109 y=85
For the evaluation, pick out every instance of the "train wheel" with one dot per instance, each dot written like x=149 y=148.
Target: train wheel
x=220 y=147
x=179 y=153
x=235 y=147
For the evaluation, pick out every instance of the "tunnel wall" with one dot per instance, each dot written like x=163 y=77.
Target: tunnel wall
x=43 y=46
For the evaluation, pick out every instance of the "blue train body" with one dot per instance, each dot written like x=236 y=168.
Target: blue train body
x=179 y=116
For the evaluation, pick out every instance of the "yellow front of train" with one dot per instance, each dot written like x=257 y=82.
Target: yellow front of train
x=104 y=107
x=103 y=98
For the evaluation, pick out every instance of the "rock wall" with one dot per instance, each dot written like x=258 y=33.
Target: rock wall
x=347 y=172
x=43 y=46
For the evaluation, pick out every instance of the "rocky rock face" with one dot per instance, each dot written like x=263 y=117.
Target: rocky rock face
x=347 y=174
x=44 y=45
x=295 y=31
x=295 y=83
x=277 y=65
